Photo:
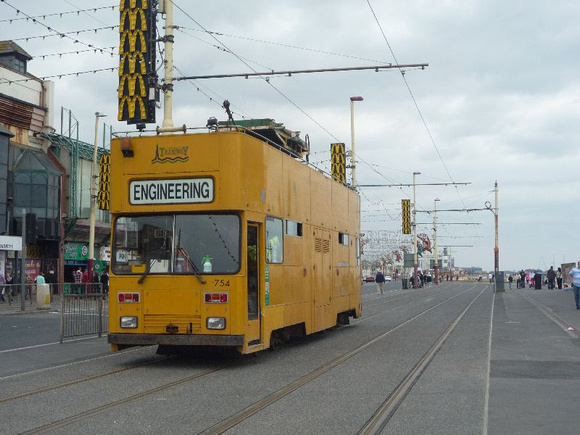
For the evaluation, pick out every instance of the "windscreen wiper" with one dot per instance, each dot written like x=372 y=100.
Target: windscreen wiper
x=196 y=271
x=150 y=263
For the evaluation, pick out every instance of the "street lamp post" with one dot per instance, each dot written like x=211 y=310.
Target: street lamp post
x=352 y=153
x=92 y=217
x=415 y=256
x=495 y=211
x=436 y=267
x=496 y=248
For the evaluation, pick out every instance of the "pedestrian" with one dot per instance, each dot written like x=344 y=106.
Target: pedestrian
x=510 y=280
x=380 y=281
x=105 y=282
x=78 y=277
x=40 y=278
x=551 y=275
x=85 y=280
x=8 y=287
x=2 y=288
x=575 y=274
x=537 y=280
x=96 y=283
x=523 y=278
x=559 y=278
x=490 y=277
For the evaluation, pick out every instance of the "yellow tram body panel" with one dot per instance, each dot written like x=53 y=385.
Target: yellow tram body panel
x=288 y=243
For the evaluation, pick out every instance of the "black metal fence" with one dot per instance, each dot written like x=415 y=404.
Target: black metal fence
x=11 y=296
x=84 y=314
x=83 y=307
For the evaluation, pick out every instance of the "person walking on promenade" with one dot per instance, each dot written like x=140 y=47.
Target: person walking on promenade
x=85 y=281
x=559 y=278
x=551 y=275
x=537 y=280
x=78 y=277
x=575 y=274
x=105 y=282
x=2 y=288
x=380 y=280
x=510 y=280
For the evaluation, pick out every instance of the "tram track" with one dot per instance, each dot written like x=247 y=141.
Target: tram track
x=387 y=408
x=81 y=380
x=395 y=398
x=108 y=406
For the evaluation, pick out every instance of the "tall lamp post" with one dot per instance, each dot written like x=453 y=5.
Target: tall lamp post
x=92 y=217
x=495 y=211
x=436 y=267
x=415 y=256
x=352 y=153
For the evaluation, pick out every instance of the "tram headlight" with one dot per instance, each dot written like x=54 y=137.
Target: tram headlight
x=216 y=323
x=128 y=322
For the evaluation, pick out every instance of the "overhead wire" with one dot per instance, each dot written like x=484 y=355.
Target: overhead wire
x=203 y=92
x=55 y=14
x=63 y=35
x=266 y=79
x=262 y=41
x=65 y=53
x=416 y=104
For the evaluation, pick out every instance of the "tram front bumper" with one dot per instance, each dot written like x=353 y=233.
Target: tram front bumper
x=175 y=340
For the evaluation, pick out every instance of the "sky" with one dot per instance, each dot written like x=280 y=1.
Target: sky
x=498 y=102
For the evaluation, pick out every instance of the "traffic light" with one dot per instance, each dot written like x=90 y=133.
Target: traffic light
x=406 y=215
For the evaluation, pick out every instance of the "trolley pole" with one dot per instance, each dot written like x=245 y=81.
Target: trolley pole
x=415 y=253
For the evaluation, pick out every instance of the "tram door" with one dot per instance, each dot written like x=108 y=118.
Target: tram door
x=253 y=272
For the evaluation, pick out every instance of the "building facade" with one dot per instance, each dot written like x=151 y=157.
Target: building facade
x=44 y=177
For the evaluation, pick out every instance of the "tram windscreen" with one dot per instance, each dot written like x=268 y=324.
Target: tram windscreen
x=177 y=244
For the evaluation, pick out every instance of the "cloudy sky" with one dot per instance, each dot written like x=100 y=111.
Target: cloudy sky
x=499 y=101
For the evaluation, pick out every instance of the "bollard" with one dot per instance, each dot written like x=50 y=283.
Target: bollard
x=42 y=296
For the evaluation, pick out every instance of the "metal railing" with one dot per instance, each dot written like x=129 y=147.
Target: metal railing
x=11 y=297
x=86 y=313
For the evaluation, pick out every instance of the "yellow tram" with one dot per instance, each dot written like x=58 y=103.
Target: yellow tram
x=227 y=238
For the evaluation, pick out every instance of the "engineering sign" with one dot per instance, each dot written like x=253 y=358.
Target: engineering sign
x=137 y=78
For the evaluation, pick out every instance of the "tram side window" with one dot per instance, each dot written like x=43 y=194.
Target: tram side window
x=343 y=239
x=294 y=228
x=274 y=240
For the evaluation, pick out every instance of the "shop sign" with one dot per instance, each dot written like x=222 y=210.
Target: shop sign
x=76 y=251
x=10 y=243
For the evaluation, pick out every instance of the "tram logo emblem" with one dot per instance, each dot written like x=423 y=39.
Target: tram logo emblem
x=170 y=155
